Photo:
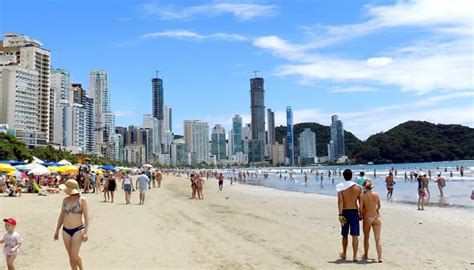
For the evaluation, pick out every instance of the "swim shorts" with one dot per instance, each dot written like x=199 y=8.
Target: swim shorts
x=352 y=222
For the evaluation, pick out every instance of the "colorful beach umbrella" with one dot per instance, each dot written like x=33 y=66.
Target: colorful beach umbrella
x=39 y=171
x=148 y=165
x=17 y=174
x=68 y=169
x=6 y=168
x=64 y=162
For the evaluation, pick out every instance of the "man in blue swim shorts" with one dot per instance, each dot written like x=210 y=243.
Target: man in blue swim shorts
x=348 y=201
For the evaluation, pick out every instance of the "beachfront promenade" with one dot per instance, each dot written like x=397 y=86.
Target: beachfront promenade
x=242 y=227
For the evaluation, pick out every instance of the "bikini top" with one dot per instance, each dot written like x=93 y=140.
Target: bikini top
x=76 y=209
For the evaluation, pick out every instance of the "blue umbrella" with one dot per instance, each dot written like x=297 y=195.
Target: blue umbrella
x=12 y=162
x=48 y=164
x=107 y=167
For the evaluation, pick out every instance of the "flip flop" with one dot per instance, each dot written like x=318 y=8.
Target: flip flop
x=342 y=257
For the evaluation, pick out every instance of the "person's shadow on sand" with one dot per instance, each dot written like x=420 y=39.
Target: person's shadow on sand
x=345 y=261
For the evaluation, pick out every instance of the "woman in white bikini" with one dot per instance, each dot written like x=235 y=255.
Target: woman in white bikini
x=73 y=209
x=370 y=207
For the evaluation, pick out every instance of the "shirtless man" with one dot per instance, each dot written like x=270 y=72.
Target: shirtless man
x=348 y=201
x=390 y=184
x=441 y=184
x=159 y=177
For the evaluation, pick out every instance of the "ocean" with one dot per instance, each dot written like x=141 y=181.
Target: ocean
x=456 y=193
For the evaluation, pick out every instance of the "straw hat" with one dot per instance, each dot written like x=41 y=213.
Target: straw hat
x=71 y=187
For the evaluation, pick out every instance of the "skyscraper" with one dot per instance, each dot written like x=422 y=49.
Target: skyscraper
x=307 y=146
x=62 y=119
x=337 y=136
x=157 y=98
x=196 y=136
x=151 y=122
x=89 y=124
x=104 y=119
x=27 y=53
x=218 y=142
x=257 y=106
x=168 y=119
x=289 y=136
x=271 y=127
x=237 y=135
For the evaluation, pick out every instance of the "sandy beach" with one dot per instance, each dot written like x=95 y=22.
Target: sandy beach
x=242 y=227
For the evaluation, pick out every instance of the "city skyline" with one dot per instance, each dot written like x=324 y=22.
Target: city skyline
x=421 y=71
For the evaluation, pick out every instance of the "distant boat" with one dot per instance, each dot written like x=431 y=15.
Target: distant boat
x=370 y=163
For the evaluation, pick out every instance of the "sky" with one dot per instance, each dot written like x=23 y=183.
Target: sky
x=376 y=64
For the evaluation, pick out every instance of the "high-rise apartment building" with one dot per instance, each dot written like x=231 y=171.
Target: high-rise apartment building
x=153 y=123
x=290 y=147
x=19 y=98
x=90 y=125
x=337 y=136
x=218 y=148
x=28 y=54
x=157 y=98
x=271 y=127
x=237 y=146
x=61 y=121
x=307 y=146
x=257 y=106
x=168 y=119
x=104 y=120
x=196 y=136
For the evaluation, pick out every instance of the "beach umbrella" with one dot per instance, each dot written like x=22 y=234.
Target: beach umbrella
x=64 y=162
x=12 y=162
x=39 y=171
x=107 y=168
x=68 y=169
x=148 y=166
x=28 y=167
x=48 y=164
x=37 y=160
x=97 y=171
x=17 y=174
x=6 y=168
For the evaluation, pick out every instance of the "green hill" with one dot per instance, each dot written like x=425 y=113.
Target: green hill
x=323 y=135
x=417 y=141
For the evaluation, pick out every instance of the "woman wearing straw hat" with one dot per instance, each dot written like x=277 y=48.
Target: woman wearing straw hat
x=73 y=209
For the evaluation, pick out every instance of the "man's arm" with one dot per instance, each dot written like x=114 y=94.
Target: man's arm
x=340 y=202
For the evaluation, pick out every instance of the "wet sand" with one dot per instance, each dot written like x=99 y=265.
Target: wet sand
x=242 y=227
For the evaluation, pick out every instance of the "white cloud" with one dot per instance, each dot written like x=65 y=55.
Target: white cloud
x=444 y=61
x=185 y=34
x=352 y=89
x=243 y=11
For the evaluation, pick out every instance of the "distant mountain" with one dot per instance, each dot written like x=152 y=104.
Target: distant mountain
x=417 y=141
x=323 y=135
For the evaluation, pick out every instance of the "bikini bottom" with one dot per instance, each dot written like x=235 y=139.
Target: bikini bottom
x=71 y=232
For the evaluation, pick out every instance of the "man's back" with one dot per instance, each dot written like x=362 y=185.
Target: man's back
x=350 y=197
x=142 y=180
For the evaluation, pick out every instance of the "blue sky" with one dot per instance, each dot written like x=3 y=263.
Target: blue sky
x=374 y=63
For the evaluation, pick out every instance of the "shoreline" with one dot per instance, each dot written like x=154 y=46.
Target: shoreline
x=242 y=227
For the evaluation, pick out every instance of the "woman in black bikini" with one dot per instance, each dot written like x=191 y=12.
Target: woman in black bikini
x=112 y=186
x=73 y=209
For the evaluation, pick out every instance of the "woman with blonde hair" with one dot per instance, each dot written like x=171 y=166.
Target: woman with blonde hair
x=370 y=207
x=74 y=219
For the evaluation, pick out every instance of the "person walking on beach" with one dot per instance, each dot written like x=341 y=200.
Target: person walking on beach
x=370 y=210
x=112 y=185
x=421 y=192
x=193 y=185
x=74 y=219
x=221 y=181
x=127 y=186
x=159 y=177
x=390 y=185
x=348 y=201
x=142 y=183
x=106 y=187
x=199 y=187
x=441 y=184
x=11 y=241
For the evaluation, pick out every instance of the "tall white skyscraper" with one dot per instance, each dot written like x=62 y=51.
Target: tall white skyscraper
x=152 y=122
x=62 y=119
x=104 y=120
x=28 y=54
x=196 y=136
x=168 y=125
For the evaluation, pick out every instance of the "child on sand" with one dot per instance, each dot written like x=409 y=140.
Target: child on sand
x=12 y=242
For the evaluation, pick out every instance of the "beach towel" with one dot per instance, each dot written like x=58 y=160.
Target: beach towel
x=344 y=185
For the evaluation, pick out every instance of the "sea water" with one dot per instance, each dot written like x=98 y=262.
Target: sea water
x=457 y=191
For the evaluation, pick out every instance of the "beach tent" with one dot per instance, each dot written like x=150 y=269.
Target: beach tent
x=12 y=162
x=64 y=162
x=6 y=168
